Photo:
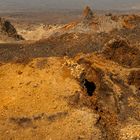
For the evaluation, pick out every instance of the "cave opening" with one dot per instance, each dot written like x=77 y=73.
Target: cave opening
x=90 y=87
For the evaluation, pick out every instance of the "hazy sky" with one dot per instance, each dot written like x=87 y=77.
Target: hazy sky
x=68 y=4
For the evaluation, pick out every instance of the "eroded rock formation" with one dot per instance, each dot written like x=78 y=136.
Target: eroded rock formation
x=7 y=29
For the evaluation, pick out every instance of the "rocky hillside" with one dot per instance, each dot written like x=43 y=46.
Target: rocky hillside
x=75 y=81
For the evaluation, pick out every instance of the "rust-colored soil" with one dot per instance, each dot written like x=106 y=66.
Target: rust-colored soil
x=72 y=82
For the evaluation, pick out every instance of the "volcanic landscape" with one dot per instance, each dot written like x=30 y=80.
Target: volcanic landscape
x=74 y=79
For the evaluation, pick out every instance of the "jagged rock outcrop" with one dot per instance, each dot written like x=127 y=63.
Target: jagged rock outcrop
x=8 y=30
x=87 y=16
x=87 y=13
x=121 y=51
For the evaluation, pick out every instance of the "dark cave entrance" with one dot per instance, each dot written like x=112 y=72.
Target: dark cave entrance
x=90 y=87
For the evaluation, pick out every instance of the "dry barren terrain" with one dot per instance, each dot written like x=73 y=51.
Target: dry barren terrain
x=74 y=81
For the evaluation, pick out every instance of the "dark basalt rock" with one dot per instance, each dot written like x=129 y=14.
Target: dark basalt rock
x=6 y=28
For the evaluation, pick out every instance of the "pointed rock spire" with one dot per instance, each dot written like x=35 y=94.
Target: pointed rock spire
x=87 y=13
x=6 y=28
